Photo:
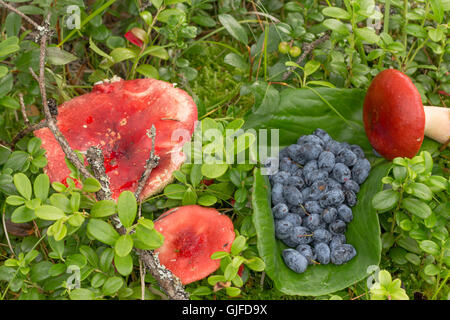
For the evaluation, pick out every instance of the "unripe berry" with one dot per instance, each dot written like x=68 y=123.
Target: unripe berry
x=283 y=47
x=295 y=51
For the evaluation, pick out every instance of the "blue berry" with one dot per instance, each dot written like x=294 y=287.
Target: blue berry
x=312 y=176
x=345 y=213
x=326 y=161
x=296 y=153
x=358 y=151
x=333 y=184
x=312 y=221
x=292 y=195
x=298 y=210
x=312 y=150
x=283 y=229
x=310 y=166
x=288 y=241
x=296 y=181
x=321 y=235
x=337 y=227
x=341 y=173
x=294 y=219
x=300 y=235
x=307 y=252
x=329 y=214
x=336 y=240
x=333 y=146
x=350 y=198
x=360 y=170
x=286 y=164
x=281 y=177
x=280 y=211
x=351 y=185
x=322 y=252
x=318 y=189
x=306 y=193
x=313 y=207
x=314 y=139
x=332 y=198
x=342 y=254
x=277 y=194
x=322 y=134
x=295 y=260
x=283 y=153
x=347 y=157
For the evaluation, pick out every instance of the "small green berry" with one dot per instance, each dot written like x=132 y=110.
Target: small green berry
x=295 y=51
x=283 y=47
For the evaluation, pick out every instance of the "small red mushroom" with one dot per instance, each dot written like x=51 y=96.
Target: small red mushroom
x=191 y=235
x=395 y=119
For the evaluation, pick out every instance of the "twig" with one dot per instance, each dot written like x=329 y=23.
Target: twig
x=142 y=275
x=6 y=232
x=27 y=130
x=168 y=282
x=307 y=48
x=10 y=7
x=22 y=109
x=70 y=154
x=151 y=163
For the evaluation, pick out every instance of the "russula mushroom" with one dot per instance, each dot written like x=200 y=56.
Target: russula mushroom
x=116 y=116
x=395 y=119
x=191 y=235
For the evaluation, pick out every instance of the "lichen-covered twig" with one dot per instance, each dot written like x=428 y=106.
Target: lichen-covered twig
x=22 y=109
x=70 y=154
x=151 y=163
x=26 y=131
x=307 y=48
x=28 y=19
x=168 y=282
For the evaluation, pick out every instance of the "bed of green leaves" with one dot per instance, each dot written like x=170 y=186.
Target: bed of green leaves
x=239 y=60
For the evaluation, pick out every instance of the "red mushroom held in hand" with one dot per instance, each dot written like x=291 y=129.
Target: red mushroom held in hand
x=395 y=119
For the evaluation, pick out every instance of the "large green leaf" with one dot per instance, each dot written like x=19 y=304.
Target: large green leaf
x=297 y=112
x=363 y=233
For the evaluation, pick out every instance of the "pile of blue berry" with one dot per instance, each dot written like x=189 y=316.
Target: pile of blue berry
x=312 y=195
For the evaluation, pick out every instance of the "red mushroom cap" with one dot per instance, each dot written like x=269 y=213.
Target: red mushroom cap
x=116 y=117
x=393 y=115
x=191 y=235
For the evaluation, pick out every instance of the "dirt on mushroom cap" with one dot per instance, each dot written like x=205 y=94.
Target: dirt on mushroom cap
x=191 y=235
x=116 y=117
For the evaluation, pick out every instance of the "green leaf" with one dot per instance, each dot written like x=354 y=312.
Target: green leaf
x=157 y=51
x=127 y=208
x=430 y=247
x=336 y=25
x=148 y=71
x=103 y=208
x=214 y=170
x=421 y=191
x=417 y=207
x=3 y=71
x=152 y=239
x=206 y=200
x=59 y=57
x=238 y=245
x=123 y=245
x=121 y=54
x=15 y=200
x=102 y=231
x=233 y=27
x=256 y=264
x=112 y=285
x=175 y=191
x=311 y=66
x=189 y=197
x=23 y=185
x=438 y=10
x=431 y=270
x=22 y=214
x=81 y=294
x=124 y=265
x=368 y=35
x=196 y=174
x=363 y=233
x=337 y=13
x=41 y=186
x=47 y=212
x=236 y=61
x=219 y=255
x=98 y=51
x=91 y=185
x=385 y=200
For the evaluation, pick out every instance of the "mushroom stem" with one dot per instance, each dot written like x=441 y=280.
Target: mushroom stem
x=437 y=123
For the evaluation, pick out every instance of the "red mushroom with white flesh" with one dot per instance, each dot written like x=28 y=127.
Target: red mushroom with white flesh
x=395 y=119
